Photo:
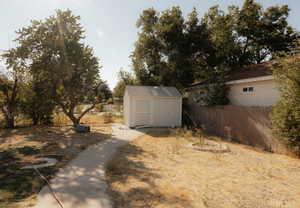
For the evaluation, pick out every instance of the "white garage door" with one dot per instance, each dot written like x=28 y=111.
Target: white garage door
x=142 y=112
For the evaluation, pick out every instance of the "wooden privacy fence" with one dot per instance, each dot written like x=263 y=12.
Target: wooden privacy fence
x=246 y=125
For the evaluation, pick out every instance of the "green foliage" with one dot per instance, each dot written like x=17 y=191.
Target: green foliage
x=119 y=90
x=9 y=101
x=211 y=94
x=125 y=78
x=38 y=103
x=55 y=55
x=104 y=92
x=162 y=54
x=175 y=51
x=217 y=94
x=11 y=81
x=264 y=32
x=286 y=113
x=223 y=39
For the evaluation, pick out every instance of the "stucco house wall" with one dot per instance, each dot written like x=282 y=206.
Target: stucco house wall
x=264 y=93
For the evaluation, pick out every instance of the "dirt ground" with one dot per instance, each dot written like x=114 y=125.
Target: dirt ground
x=22 y=146
x=161 y=171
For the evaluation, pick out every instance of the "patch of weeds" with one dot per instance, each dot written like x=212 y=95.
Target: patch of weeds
x=199 y=137
x=18 y=184
x=195 y=136
x=9 y=154
x=27 y=150
x=198 y=132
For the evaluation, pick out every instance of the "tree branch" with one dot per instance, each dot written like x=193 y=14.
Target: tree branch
x=86 y=111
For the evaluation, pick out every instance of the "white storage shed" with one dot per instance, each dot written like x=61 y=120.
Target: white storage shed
x=152 y=106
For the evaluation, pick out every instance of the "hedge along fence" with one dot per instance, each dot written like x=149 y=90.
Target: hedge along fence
x=246 y=125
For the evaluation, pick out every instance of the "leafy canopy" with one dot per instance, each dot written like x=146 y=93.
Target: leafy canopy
x=175 y=51
x=125 y=78
x=11 y=87
x=55 y=54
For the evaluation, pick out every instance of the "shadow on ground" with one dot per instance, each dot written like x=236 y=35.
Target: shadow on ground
x=62 y=143
x=21 y=146
x=125 y=166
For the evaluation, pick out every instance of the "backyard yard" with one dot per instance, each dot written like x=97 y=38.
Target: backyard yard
x=162 y=170
x=112 y=113
x=22 y=146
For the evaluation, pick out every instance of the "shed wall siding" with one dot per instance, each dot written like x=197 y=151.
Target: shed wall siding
x=126 y=109
x=131 y=112
x=142 y=111
x=164 y=112
x=265 y=93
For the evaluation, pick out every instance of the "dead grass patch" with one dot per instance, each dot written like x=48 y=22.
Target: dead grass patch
x=22 y=146
x=61 y=119
x=162 y=172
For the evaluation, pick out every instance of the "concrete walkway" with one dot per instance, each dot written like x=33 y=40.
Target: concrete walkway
x=82 y=183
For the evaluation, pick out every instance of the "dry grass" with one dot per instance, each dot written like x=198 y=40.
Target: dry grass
x=61 y=119
x=19 y=120
x=160 y=171
x=242 y=124
x=22 y=146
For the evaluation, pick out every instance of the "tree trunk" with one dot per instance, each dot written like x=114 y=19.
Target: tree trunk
x=10 y=122
x=35 y=120
x=74 y=120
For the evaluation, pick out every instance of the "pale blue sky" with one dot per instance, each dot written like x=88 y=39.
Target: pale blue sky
x=109 y=24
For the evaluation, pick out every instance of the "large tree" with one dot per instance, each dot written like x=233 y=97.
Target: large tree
x=53 y=49
x=167 y=51
x=104 y=91
x=11 y=81
x=173 y=51
x=147 y=58
x=223 y=39
x=264 y=33
x=125 y=78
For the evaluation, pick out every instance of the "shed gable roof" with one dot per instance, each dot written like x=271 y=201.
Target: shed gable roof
x=153 y=91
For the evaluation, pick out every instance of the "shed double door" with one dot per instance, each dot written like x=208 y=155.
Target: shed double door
x=143 y=113
x=166 y=112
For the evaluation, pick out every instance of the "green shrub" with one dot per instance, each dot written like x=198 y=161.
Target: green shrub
x=211 y=94
x=37 y=103
x=286 y=113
